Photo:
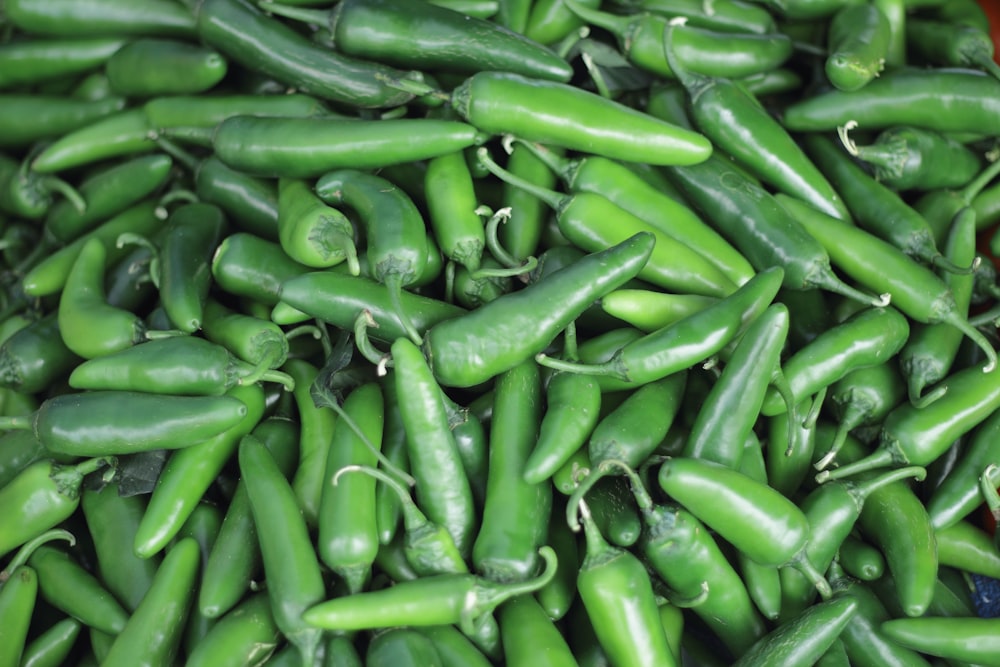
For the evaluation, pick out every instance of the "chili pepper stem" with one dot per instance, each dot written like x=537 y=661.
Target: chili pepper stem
x=29 y=547
x=488 y=596
x=880 y=458
x=394 y=283
x=971 y=332
x=171 y=148
x=66 y=190
x=607 y=368
x=346 y=243
x=514 y=267
x=815 y=577
x=973 y=188
x=829 y=282
x=180 y=195
x=554 y=199
x=918 y=401
x=852 y=418
x=559 y=165
x=780 y=383
x=576 y=498
x=413 y=517
x=262 y=372
x=364 y=344
x=988 y=486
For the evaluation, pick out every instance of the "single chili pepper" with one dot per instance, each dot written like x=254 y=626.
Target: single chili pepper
x=763 y=585
x=231 y=565
x=707 y=51
x=781 y=530
x=473 y=447
x=862 y=397
x=572 y=410
x=291 y=567
x=348 y=535
x=252 y=144
x=241 y=31
x=437 y=600
x=401 y=646
x=153 y=632
x=28 y=62
x=431 y=448
x=915 y=290
x=550 y=21
x=954 y=45
x=616 y=592
x=101 y=17
x=814 y=631
x=931 y=349
x=124 y=133
x=610 y=503
x=832 y=509
x=896 y=12
x=684 y=343
x=970 y=639
x=52 y=647
x=256 y=341
x=176 y=111
x=453 y=648
x=246 y=635
x=68 y=586
x=49 y=275
x=912 y=158
x=732 y=406
x=311 y=232
x=558 y=596
x=108 y=193
x=189 y=472
x=27 y=194
x=90 y=326
x=860 y=559
x=625 y=188
x=452 y=204
x=17 y=602
x=857 y=42
x=150 y=66
x=970 y=102
x=522 y=231
x=791 y=445
x=33 y=358
x=650 y=310
x=247 y=265
x=592 y=222
x=27 y=118
x=516 y=513
x=477 y=346
x=967 y=548
x=433 y=39
x=388 y=506
x=724 y=16
x=47 y=493
x=865 y=645
x=530 y=637
x=868 y=338
x=250 y=202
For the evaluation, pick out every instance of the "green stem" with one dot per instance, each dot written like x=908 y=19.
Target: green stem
x=29 y=547
x=975 y=186
x=68 y=192
x=394 y=283
x=385 y=462
x=880 y=458
x=130 y=238
x=971 y=332
x=554 y=199
x=413 y=517
x=11 y=423
x=361 y=324
x=815 y=577
x=607 y=368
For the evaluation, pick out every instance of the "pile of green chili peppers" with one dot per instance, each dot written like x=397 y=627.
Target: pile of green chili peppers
x=459 y=333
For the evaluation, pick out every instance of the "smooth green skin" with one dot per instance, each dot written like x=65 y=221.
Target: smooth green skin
x=100 y=18
x=558 y=596
x=203 y=525
x=311 y=232
x=572 y=410
x=801 y=641
x=348 y=532
x=551 y=20
x=152 y=635
x=149 y=66
x=316 y=428
x=971 y=639
x=26 y=118
x=477 y=346
x=388 y=504
x=49 y=276
x=185 y=365
x=124 y=133
x=954 y=45
x=291 y=566
x=18 y=450
x=857 y=44
x=958 y=493
x=17 y=602
x=246 y=636
x=190 y=471
x=971 y=101
x=763 y=585
x=263 y=43
x=473 y=446
x=101 y=423
x=866 y=645
x=287 y=147
x=248 y=265
x=112 y=521
x=506 y=103
x=516 y=514
x=522 y=233
x=210 y=110
x=732 y=406
x=530 y=637
x=648 y=310
x=108 y=193
x=341 y=652
x=250 y=202
x=911 y=158
x=451 y=207
x=866 y=395
x=52 y=647
x=402 y=647
x=868 y=338
x=753 y=517
x=90 y=326
x=192 y=235
x=931 y=349
x=453 y=648
x=30 y=62
x=723 y=15
x=442 y=491
x=860 y=559
x=235 y=556
x=967 y=547
x=35 y=357
x=337 y=298
x=66 y=585
x=255 y=340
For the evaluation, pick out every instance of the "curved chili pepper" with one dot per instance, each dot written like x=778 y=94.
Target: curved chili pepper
x=68 y=586
x=124 y=133
x=970 y=639
x=967 y=548
x=54 y=646
x=451 y=207
x=246 y=635
x=857 y=40
x=572 y=403
x=17 y=602
x=814 y=631
x=316 y=426
x=149 y=66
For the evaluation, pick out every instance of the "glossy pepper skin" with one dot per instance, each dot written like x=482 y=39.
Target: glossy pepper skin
x=969 y=639
x=805 y=639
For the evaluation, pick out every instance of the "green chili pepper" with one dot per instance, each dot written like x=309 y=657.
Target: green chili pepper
x=52 y=647
x=551 y=21
x=967 y=548
x=68 y=586
x=124 y=133
x=250 y=202
x=252 y=339
x=17 y=602
x=452 y=205
x=530 y=637
x=860 y=559
x=311 y=232
x=803 y=640
x=35 y=357
x=245 y=636
x=101 y=17
x=958 y=493
x=150 y=66
x=35 y=61
x=914 y=289
x=153 y=633
x=27 y=118
x=453 y=648
x=477 y=346
x=953 y=45
x=522 y=231
x=401 y=646
x=28 y=194
x=970 y=639
x=572 y=404
x=438 y=600
x=291 y=566
x=858 y=43
x=189 y=472
x=247 y=265
x=908 y=158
